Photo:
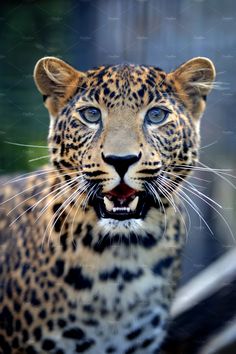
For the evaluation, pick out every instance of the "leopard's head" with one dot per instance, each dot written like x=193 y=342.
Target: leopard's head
x=124 y=137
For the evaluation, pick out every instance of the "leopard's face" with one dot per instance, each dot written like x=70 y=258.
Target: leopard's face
x=124 y=137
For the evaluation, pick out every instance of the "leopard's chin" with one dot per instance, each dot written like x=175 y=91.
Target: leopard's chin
x=122 y=203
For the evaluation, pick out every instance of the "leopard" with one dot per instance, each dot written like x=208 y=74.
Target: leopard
x=91 y=243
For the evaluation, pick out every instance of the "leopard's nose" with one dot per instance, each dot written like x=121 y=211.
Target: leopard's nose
x=121 y=163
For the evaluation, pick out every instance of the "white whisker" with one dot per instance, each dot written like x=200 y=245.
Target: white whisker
x=39 y=158
x=27 y=145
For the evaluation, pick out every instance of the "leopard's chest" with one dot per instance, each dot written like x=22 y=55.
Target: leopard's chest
x=115 y=316
x=114 y=299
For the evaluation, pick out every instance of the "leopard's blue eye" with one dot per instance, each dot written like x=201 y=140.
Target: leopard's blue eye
x=156 y=115
x=91 y=114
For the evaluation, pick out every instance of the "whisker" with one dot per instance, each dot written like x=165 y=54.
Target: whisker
x=22 y=192
x=39 y=173
x=36 y=194
x=39 y=158
x=33 y=207
x=27 y=145
x=158 y=199
x=25 y=190
x=77 y=197
x=82 y=202
x=212 y=206
x=192 y=189
x=193 y=205
x=169 y=198
x=204 y=169
x=63 y=207
x=59 y=194
x=28 y=175
x=208 y=145
x=177 y=208
x=221 y=173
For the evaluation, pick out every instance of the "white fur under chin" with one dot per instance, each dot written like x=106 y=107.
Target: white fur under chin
x=125 y=227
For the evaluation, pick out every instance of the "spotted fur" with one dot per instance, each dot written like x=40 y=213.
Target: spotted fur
x=71 y=281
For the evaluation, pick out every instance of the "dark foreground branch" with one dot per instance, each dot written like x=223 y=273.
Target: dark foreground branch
x=204 y=312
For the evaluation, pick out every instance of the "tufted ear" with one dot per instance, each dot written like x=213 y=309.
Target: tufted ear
x=194 y=80
x=57 y=81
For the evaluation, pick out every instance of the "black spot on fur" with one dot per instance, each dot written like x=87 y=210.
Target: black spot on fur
x=77 y=280
x=74 y=333
x=134 y=334
x=58 y=268
x=155 y=321
x=63 y=242
x=28 y=317
x=91 y=322
x=50 y=325
x=25 y=336
x=129 y=276
x=17 y=325
x=147 y=342
x=4 y=345
x=131 y=350
x=159 y=267
x=149 y=241
x=48 y=344
x=42 y=314
x=34 y=299
x=37 y=333
x=31 y=350
x=61 y=323
x=88 y=309
x=6 y=320
x=17 y=306
x=141 y=92
x=15 y=342
x=112 y=275
x=80 y=348
x=59 y=351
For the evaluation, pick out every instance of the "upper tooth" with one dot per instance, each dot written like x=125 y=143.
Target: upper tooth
x=108 y=204
x=134 y=203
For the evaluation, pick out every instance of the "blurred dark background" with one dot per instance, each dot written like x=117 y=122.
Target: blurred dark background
x=87 y=33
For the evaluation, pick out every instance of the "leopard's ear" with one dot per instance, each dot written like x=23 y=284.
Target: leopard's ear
x=57 y=81
x=194 y=80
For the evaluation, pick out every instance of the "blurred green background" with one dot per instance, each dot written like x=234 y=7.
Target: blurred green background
x=87 y=33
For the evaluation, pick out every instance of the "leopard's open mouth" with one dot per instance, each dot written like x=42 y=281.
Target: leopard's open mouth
x=121 y=203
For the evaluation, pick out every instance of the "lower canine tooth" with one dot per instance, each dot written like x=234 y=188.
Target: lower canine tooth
x=134 y=203
x=108 y=204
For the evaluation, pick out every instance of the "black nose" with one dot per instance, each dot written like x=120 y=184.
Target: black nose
x=121 y=163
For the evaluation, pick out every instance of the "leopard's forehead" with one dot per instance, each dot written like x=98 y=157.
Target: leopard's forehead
x=122 y=83
x=123 y=72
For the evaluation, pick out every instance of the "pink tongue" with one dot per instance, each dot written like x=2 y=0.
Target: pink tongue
x=122 y=191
